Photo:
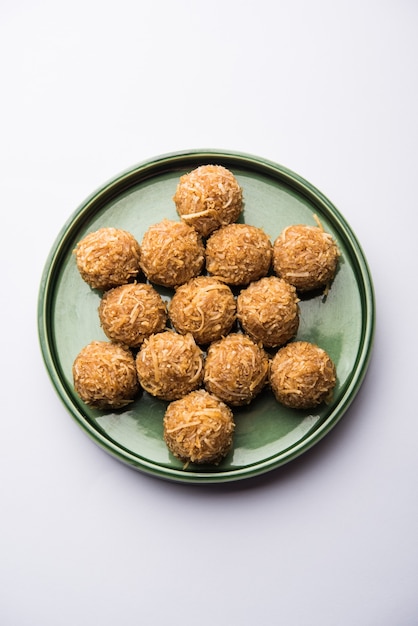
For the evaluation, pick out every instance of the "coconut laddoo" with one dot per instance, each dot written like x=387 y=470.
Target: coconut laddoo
x=199 y=428
x=238 y=254
x=204 y=307
x=268 y=311
x=208 y=197
x=171 y=253
x=107 y=258
x=305 y=256
x=302 y=375
x=169 y=365
x=105 y=376
x=236 y=369
x=130 y=313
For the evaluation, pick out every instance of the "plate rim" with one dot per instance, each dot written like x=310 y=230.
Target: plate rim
x=278 y=171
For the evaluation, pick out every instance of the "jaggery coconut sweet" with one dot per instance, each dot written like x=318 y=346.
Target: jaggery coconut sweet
x=130 y=313
x=302 y=375
x=108 y=257
x=105 y=376
x=238 y=254
x=204 y=307
x=169 y=365
x=171 y=253
x=305 y=256
x=208 y=197
x=268 y=311
x=199 y=428
x=236 y=369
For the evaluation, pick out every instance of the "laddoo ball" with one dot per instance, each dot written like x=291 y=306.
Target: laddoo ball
x=268 y=311
x=171 y=253
x=204 y=307
x=105 y=376
x=107 y=258
x=199 y=428
x=305 y=256
x=169 y=365
x=236 y=369
x=130 y=313
x=302 y=375
x=208 y=197
x=238 y=254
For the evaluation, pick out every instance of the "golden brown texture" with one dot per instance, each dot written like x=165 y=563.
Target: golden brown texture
x=130 y=313
x=205 y=307
x=105 y=376
x=208 y=197
x=238 y=254
x=171 y=253
x=169 y=365
x=107 y=258
x=268 y=311
x=302 y=375
x=236 y=369
x=305 y=256
x=199 y=428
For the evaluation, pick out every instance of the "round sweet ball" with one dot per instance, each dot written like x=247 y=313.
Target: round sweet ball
x=236 y=369
x=238 y=254
x=169 y=365
x=208 y=197
x=199 y=428
x=171 y=253
x=104 y=375
x=204 y=307
x=107 y=258
x=130 y=313
x=305 y=256
x=268 y=311
x=302 y=375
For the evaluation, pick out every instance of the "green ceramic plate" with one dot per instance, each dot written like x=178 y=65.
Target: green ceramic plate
x=267 y=435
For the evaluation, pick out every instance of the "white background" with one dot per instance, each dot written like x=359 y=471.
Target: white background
x=327 y=89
